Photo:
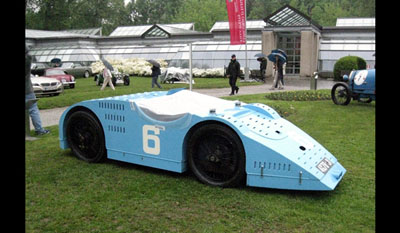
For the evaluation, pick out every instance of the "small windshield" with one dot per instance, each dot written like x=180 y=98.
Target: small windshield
x=54 y=72
x=67 y=65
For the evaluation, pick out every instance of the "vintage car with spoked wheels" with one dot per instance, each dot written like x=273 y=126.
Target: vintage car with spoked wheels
x=118 y=78
x=359 y=85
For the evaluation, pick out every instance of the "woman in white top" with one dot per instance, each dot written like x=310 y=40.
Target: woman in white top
x=107 y=79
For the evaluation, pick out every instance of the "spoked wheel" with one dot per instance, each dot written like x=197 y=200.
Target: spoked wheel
x=216 y=156
x=340 y=94
x=85 y=136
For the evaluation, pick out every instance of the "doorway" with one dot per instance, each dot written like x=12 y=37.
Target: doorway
x=290 y=42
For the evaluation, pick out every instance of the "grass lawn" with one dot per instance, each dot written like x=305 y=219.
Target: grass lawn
x=64 y=194
x=86 y=89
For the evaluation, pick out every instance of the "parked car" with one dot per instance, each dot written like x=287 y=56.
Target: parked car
x=46 y=86
x=117 y=78
x=59 y=74
x=77 y=69
x=225 y=143
x=38 y=68
x=359 y=85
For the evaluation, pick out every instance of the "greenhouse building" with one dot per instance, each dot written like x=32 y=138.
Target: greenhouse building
x=309 y=46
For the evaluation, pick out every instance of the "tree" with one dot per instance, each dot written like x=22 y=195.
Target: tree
x=152 y=11
x=76 y=14
x=203 y=13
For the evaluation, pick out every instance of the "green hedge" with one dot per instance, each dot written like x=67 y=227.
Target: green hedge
x=348 y=63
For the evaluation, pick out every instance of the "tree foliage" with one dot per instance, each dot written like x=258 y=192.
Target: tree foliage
x=108 y=14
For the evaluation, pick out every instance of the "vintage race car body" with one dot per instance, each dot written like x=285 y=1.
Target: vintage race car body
x=156 y=129
x=359 y=85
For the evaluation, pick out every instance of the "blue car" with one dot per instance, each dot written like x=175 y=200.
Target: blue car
x=224 y=143
x=359 y=85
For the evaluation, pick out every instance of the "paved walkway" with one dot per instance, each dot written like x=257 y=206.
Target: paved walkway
x=51 y=117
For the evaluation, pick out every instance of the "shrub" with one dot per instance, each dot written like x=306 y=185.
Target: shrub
x=347 y=63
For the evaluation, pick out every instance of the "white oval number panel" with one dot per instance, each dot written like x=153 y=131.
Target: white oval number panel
x=360 y=77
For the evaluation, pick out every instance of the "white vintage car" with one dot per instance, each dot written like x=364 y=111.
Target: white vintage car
x=46 y=86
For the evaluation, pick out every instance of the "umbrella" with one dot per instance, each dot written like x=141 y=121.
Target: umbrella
x=260 y=55
x=107 y=64
x=55 y=60
x=280 y=51
x=272 y=58
x=154 y=63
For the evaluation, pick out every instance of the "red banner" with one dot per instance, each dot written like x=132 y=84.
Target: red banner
x=237 y=20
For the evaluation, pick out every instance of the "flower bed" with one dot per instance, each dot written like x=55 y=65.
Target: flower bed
x=140 y=67
x=306 y=95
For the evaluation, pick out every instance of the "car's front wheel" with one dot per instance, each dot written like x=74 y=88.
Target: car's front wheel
x=216 y=155
x=340 y=94
x=85 y=136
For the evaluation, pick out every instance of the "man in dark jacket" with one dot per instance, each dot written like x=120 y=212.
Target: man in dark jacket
x=263 y=66
x=232 y=73
x=155 y=71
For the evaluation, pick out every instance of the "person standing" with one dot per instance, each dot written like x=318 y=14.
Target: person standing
x=263 y=67
x=279 y=65
x=233 y=72
x=30 y=95
x=155 y=72
x=278 y=74
x=107 y=79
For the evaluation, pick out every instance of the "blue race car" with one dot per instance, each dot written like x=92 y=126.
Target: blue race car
x=225 y=143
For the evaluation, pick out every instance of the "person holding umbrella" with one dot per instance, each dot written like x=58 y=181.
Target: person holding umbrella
x=278 y=59
x=155 y=72
x=232 y=73
x=107 y=74
x=281 y=70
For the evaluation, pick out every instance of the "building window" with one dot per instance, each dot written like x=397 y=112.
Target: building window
x=291 y=44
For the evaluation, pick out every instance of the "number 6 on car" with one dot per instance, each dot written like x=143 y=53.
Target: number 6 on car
x=225 y=143
x=147 y=138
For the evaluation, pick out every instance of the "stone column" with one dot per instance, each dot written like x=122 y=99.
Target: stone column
x=309 y=53
x=268 y=44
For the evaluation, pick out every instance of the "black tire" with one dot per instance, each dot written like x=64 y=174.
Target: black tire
x=126 y=80
x=85 y=136
x=216 y=156
x=341 y=94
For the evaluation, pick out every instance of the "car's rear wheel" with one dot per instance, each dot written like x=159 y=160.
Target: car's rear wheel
x=85 y=136
x=216 y=155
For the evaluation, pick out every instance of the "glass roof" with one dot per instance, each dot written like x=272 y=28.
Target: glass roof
x=87 y=31
x=79 y=33
x=289 y=16
x=156 y=32
x=216 y=54
x=354 y=22
x=65 y=53
x=250 y=24
x=139 y=30
x=348 y=45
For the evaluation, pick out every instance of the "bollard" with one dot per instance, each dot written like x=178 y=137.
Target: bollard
x=313 y=81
